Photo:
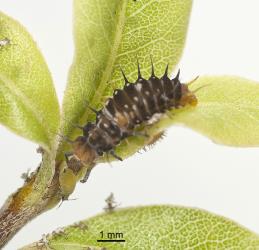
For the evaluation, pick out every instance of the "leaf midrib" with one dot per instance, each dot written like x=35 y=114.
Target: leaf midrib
x=10 y=85
x=112 y=56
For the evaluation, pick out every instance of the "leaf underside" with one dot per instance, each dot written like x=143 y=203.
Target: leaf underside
x=28 y=100
x=156 y=227
x=227 y=112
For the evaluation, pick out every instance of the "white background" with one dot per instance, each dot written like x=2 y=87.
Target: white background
x=185 y=168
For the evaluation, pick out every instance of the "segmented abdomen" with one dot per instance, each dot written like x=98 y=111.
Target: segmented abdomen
x=131 y=106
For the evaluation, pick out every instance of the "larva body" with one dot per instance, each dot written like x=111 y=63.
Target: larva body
x=135 y=104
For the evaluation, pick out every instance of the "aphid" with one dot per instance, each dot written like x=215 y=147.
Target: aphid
x=81 y=225
x=136 y=104
x=4 y=42
x=58 y=232
x=43 y=243
x=26 y=176
x=40 y=150
x=111 y=204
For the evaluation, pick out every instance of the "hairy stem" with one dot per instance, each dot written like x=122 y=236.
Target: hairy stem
x=39 y=194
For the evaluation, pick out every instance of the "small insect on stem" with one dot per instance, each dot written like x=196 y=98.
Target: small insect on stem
x=26 y=176
x=40 y=150
x=44 y=242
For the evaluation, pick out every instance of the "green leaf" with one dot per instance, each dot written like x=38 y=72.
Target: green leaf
x=28 y=102
x=155 y=227
x=113 y=33
x=227 y=111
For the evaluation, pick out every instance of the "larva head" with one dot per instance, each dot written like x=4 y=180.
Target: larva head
x=83 y=151
x=187 y=97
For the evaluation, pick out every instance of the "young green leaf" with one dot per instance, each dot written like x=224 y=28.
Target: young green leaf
x=28 y=102
x=154 y=227
x=227 y=111
x=114 y=33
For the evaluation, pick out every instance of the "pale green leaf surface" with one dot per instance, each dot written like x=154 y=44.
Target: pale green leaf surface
x=227 y=111
x=113 y=33
x=154 y=228
x=28 y=102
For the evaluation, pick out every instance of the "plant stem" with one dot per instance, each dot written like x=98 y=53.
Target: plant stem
x=28 y=201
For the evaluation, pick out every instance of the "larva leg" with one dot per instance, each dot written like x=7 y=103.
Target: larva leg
x=87 y=174
x=114 y=155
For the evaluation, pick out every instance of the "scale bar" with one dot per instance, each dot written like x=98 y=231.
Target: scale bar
x=110 y=240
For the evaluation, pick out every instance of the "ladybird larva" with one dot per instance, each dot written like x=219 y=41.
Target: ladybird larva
x=137 y=103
